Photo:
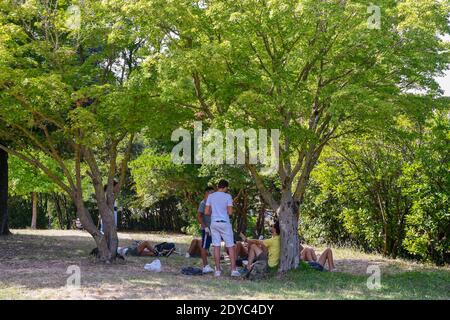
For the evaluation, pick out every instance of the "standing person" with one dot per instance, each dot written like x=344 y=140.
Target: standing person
x=205 y=223
x=219 y=206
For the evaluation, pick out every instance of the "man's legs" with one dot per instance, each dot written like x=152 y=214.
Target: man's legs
x=195 y=250
x=232 y=254
x=327 y=255
x=142 y=246
x=309 y=254
x=241 y=250
x=217 y=257
x=206 y=242
x=204 y=254
x=253 y=253
x=228 y=238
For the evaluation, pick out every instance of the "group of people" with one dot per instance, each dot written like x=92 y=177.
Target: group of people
x=213 y=216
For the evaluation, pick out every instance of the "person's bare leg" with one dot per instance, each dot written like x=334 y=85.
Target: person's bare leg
x=241 y=251
x=232 y=254
x=192 y=246
x=253 y=253
x=217 y=257
x=327 y=256
x=308 y=255
x=330 y=259
x=198 y=248
x=313 y=254
x=143 y=245
x=204 y=254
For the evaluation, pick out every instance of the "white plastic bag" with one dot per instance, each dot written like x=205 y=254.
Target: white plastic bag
x=154 y=266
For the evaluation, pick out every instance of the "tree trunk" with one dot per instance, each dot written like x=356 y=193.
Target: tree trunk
x=58 y=209
x=34 y=200
x=4 y=230
x=259 y=230
x=109 y=230
x=287 y=215
x=106 y=250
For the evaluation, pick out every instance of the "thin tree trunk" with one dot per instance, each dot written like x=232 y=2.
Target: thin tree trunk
x=35 y=210
x=259 y=230
x=58 y=210
x=4 y=230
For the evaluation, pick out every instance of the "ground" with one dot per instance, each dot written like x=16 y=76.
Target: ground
x=33 y=265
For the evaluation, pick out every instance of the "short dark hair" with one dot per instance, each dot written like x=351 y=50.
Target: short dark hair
x=222 y=184
x=276 y=225
x=209 y=188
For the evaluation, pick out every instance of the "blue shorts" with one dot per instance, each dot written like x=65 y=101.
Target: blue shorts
x=316 y=266
x=206 y=240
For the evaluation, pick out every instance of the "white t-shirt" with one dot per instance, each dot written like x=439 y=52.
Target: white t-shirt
x=219 y=201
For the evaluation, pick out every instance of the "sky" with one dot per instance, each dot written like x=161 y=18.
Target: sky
x=444 y=82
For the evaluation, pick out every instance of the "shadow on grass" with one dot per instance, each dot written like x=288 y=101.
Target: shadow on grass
x=32 y=263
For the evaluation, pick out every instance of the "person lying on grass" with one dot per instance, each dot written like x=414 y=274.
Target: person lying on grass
x=308 y=255
x=265 y=250
x=139 y=248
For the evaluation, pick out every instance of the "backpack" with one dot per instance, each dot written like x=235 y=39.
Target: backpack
x=260 y=270
x=164 y=249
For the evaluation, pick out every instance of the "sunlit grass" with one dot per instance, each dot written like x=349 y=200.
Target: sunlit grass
x=33 y=265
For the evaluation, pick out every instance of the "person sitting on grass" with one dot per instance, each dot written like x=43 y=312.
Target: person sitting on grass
x=265 y=250
x=195 y=249
x=308 y=255
x=139 y=249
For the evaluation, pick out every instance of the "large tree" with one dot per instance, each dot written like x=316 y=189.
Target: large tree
x=316 y=70
x=67 y=90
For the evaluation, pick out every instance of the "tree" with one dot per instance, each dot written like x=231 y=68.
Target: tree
x=428 y=184
x=386 y=191
x=313 y=69
x=28 y=181
x=68 y=91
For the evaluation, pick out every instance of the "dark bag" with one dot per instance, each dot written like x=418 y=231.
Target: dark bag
x=191 y=271
x=164 y=249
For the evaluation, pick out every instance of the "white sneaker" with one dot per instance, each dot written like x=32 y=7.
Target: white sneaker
x=207 y=269
x=187 y=255
x=217 y=273
x=235 y=273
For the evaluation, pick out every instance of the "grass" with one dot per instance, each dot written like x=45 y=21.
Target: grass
x=33 y=265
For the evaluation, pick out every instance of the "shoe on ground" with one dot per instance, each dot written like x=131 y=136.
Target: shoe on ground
x=207 y=269
x=187 y=255
x=235 y=273
x=217 y=273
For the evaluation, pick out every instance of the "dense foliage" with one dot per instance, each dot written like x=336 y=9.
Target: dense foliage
x=90 y=94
